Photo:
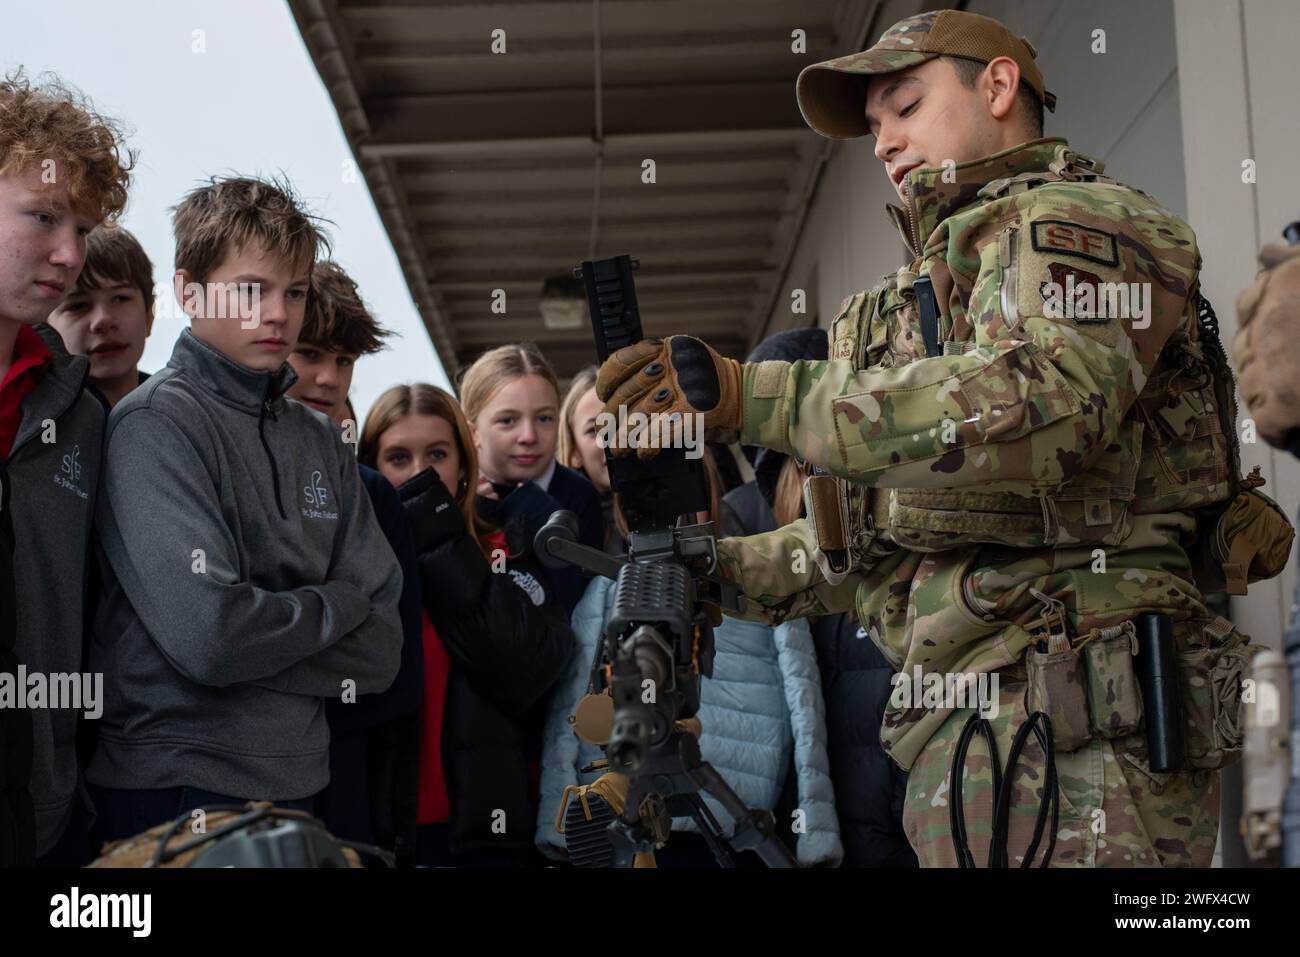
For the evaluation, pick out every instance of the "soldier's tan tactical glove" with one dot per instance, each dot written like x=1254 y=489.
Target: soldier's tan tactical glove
x=1266 y=348
x=679 y=374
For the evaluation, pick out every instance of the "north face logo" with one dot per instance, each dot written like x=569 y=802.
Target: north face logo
x=530 y=586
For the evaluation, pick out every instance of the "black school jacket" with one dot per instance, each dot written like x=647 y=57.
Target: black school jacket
x=17 y=823
x=509 y=640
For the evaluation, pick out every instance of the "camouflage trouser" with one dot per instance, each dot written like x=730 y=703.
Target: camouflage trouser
x=1115 y=812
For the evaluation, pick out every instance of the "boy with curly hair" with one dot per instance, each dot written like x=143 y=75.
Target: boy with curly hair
x=63 y=171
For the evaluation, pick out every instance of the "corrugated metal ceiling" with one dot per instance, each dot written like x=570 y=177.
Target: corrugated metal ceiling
x=494 y=170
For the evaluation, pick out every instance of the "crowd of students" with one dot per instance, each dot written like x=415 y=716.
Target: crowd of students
x=286 y=608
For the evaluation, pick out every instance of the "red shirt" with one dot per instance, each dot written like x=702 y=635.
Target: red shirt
x=434 y=806
x=30 y=359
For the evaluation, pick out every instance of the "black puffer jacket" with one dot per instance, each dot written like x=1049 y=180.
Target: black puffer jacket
x=869 y=787
x=509 y=640
x=375 y=741
x=17 y=825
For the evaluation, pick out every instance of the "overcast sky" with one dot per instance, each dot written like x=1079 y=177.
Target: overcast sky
x=252 y=103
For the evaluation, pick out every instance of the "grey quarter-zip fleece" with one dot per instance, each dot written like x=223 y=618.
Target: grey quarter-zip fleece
x=54 y=470
x=246 y=580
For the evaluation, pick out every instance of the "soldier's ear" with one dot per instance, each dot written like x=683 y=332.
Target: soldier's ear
x=1000 y=86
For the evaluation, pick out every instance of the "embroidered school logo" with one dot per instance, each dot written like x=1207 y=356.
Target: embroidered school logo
x=72 y=465
x=317 y=497
x=69 y=474
x=530 y=585
x=315 y=492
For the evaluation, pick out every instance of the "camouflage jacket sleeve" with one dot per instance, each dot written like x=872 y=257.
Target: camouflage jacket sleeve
x=1041 y=388
x=779 y=577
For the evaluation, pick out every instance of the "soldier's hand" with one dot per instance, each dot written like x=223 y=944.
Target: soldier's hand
x=677 y=375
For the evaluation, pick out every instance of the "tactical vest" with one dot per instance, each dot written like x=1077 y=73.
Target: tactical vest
x=1177 y=450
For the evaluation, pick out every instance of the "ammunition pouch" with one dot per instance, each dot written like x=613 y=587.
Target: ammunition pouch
x=1114 y=695
x=1088 y=686
x=1058 y=687
x=1213 y=658
x=1248 y=540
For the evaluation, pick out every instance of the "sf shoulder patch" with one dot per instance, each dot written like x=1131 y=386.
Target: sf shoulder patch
x=1071 y=239
x=1075 y=274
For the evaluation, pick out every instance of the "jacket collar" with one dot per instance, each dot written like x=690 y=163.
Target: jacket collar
x=931 y=200
x=59 y=387
x=226 y=379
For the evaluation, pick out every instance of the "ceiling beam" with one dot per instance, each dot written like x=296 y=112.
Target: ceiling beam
x=617 y=145
x=450 y=278
x=495 y=333
x=650 y=283
x=748 y=44
x=647 y=109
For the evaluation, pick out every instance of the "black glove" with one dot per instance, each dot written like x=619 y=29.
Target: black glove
x=435 y=517
x=527 y=507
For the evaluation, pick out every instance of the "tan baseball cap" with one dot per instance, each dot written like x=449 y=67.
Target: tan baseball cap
x=832 y=96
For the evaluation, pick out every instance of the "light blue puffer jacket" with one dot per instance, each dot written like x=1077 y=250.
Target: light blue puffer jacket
x=763 y=704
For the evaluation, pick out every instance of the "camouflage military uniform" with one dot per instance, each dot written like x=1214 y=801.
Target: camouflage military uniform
x=1039 y=462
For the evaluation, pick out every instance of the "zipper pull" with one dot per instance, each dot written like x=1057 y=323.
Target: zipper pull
x=1004 y=246
x=269 y=401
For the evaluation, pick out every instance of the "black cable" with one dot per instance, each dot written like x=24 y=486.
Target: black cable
x=163 y=854
x=1047 y=741
x=956 y=809
x=1041 y=726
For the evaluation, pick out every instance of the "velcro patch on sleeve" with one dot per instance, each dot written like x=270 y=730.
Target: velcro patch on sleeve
x=1085 y=295
x=1072 y=239
x=769 y=379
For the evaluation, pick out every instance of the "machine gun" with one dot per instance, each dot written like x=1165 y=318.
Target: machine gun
x=656 y=647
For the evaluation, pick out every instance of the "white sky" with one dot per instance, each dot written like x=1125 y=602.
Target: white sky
x=252 y=103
